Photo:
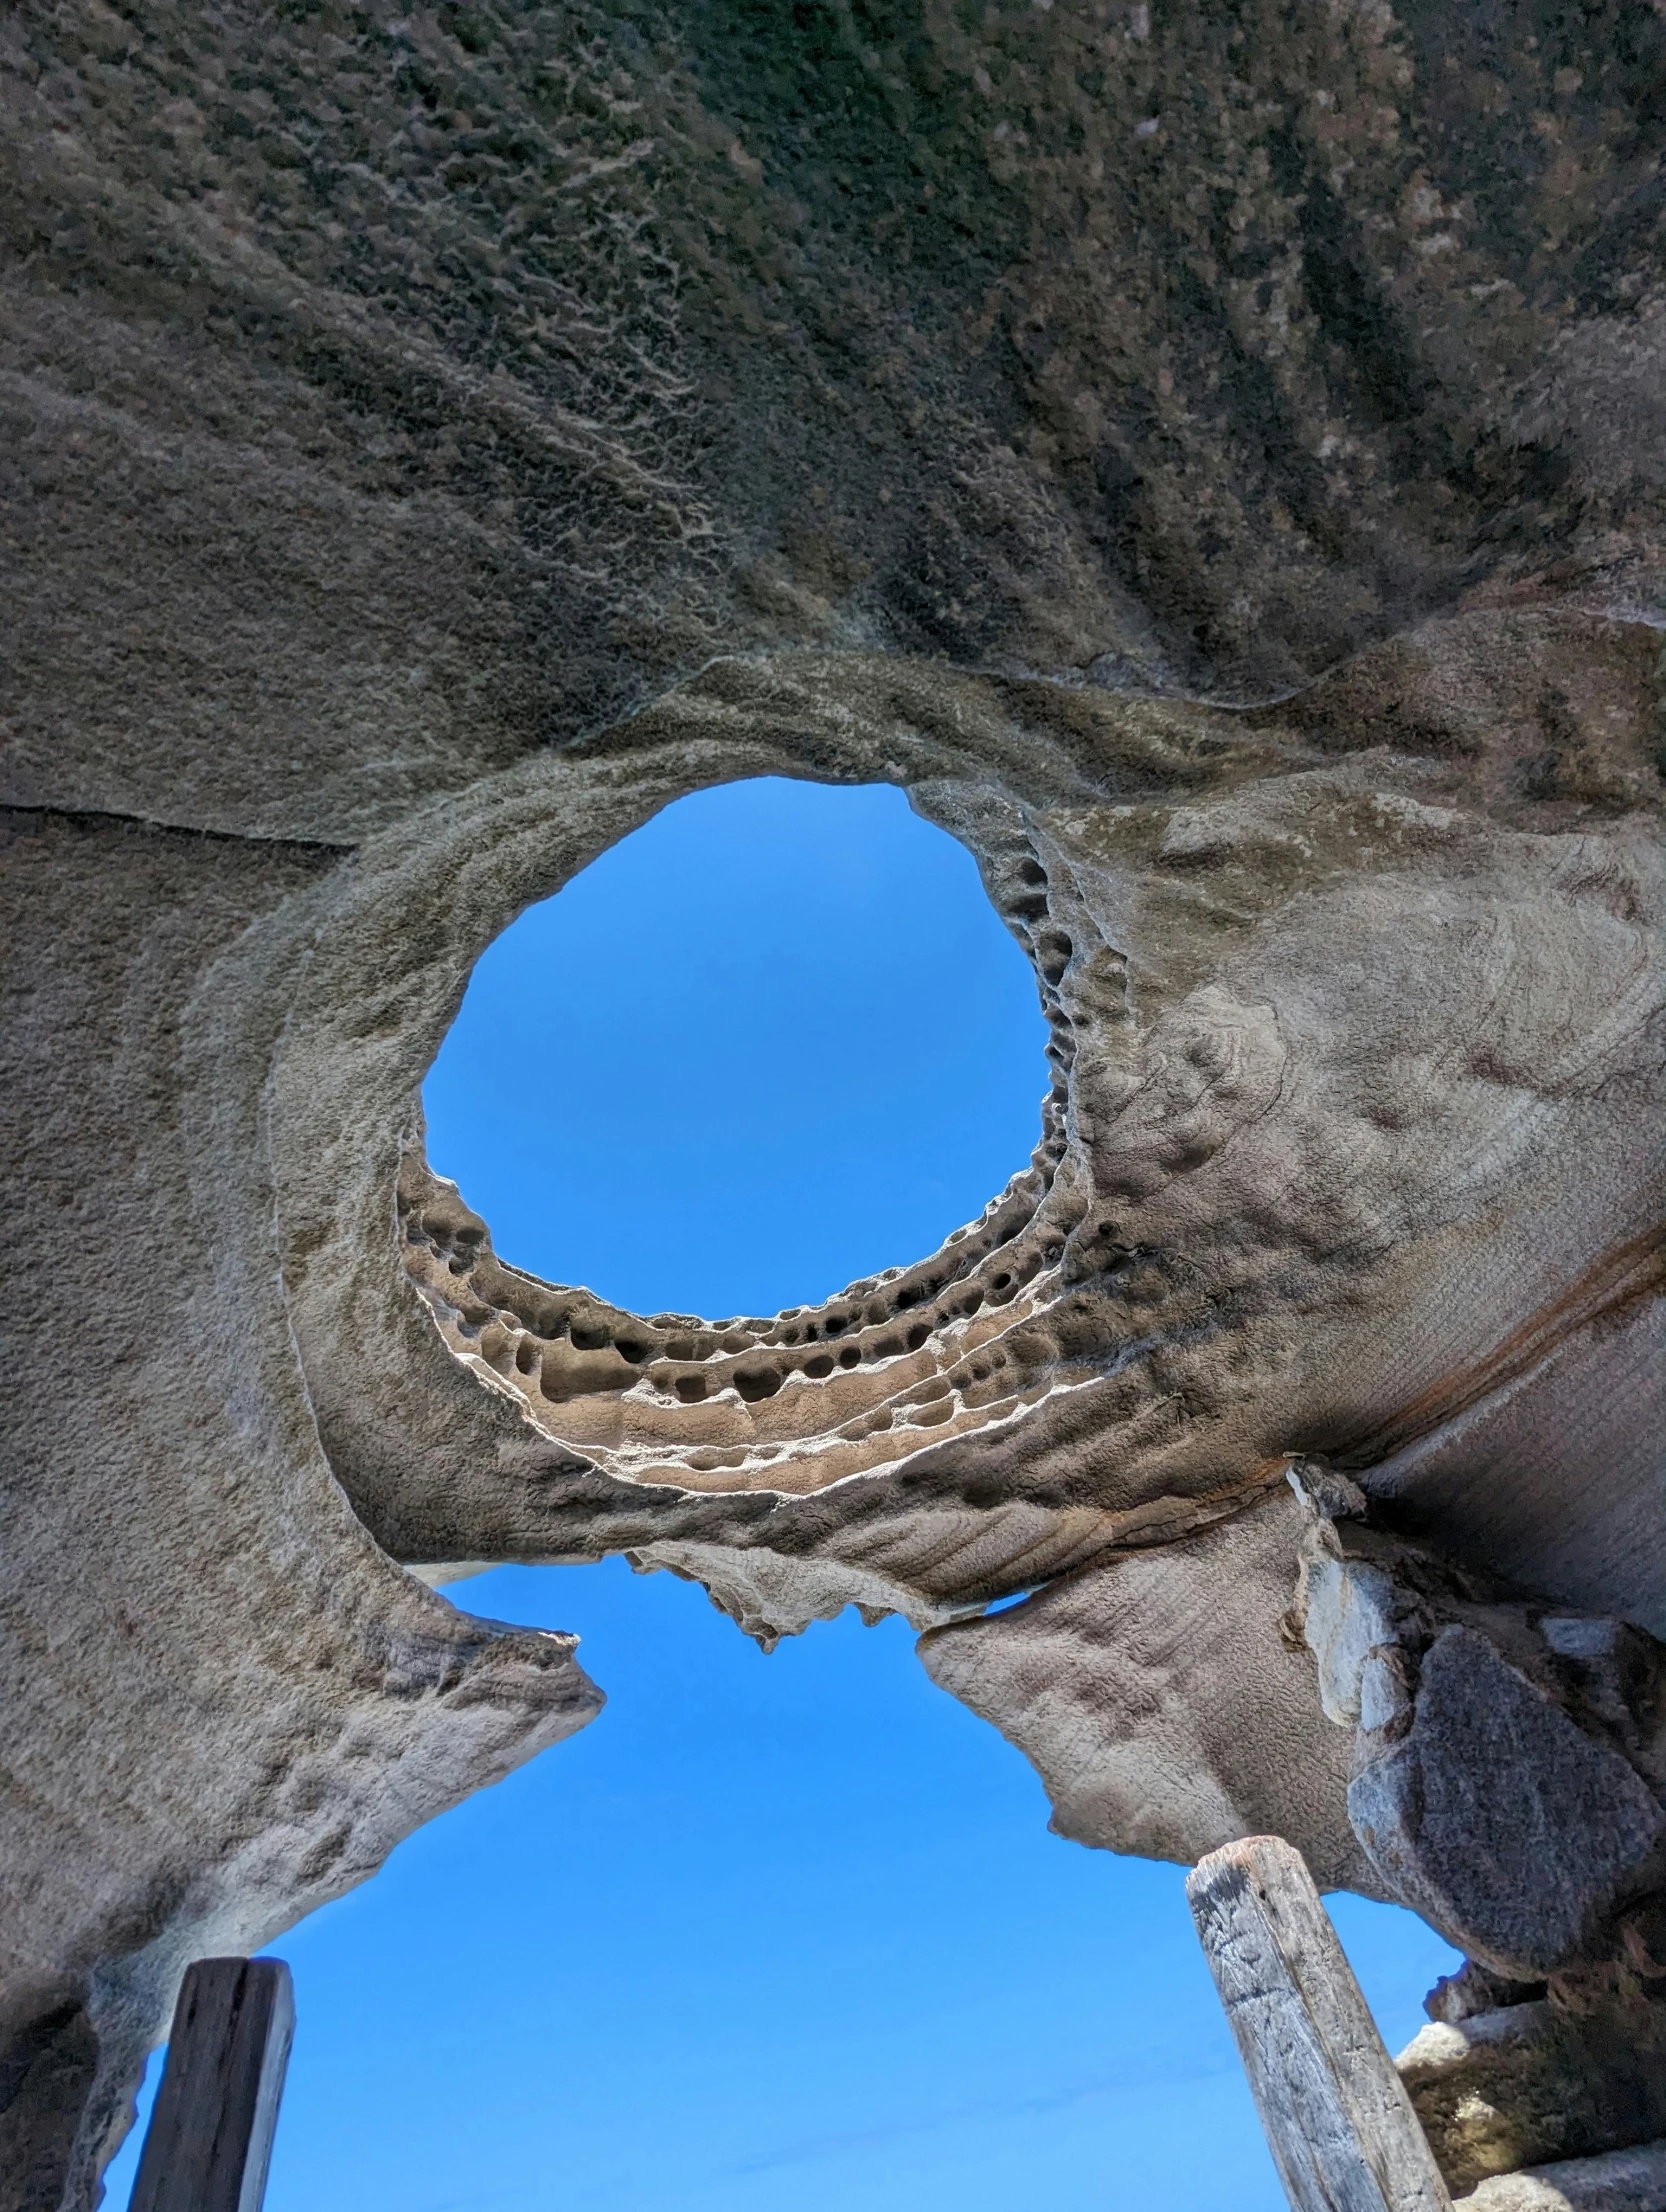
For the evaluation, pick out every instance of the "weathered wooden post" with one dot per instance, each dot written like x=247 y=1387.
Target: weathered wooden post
x=1340 y=2124
x=210 y=2136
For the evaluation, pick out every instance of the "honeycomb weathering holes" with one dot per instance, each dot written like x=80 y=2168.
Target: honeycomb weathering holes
x=899 y=1359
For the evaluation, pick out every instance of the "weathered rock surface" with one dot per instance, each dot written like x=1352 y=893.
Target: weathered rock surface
x=1213 y=459
x=1495 y=1813
x=1164 y=1712
x=224 y=1704
x=1538 y=2082
x=1616 y=2181
x=1508 y=1757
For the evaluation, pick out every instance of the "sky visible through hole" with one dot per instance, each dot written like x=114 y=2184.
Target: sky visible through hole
x=771 y=1930
x=775 y=1040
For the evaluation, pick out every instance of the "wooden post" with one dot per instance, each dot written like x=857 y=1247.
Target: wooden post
x=1340 y=2124
x=210 y=2136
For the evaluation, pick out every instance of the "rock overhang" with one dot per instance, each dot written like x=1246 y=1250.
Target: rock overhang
x=441 y=441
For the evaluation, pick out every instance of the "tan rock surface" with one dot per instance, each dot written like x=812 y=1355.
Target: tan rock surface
x=1213 y=461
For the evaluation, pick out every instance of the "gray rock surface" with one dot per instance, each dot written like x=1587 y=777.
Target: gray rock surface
x=1212 y=460
x=1161 y=1707
x=1617 y=2181
x=224 y=1703
x=1508 y=1826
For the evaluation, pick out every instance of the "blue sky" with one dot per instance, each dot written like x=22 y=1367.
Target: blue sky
x=771 y=1929
x=775 y=1040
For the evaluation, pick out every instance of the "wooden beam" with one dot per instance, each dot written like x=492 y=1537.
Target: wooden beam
x=1341 y=2127
x=210 y=2136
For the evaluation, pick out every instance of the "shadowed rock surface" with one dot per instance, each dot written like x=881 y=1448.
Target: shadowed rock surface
x=1214 y=460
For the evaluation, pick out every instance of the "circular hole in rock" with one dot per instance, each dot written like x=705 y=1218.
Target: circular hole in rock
x=775 y=1040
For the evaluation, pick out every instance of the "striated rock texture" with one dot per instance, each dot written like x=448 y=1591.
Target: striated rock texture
x=1213 y=458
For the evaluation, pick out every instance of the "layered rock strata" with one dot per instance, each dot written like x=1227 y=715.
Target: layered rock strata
x=1212 y=460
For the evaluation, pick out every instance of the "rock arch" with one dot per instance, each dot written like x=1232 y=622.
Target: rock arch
x=441 y=440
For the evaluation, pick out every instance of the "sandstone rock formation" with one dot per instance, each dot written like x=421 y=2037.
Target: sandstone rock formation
x=1214 y=459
